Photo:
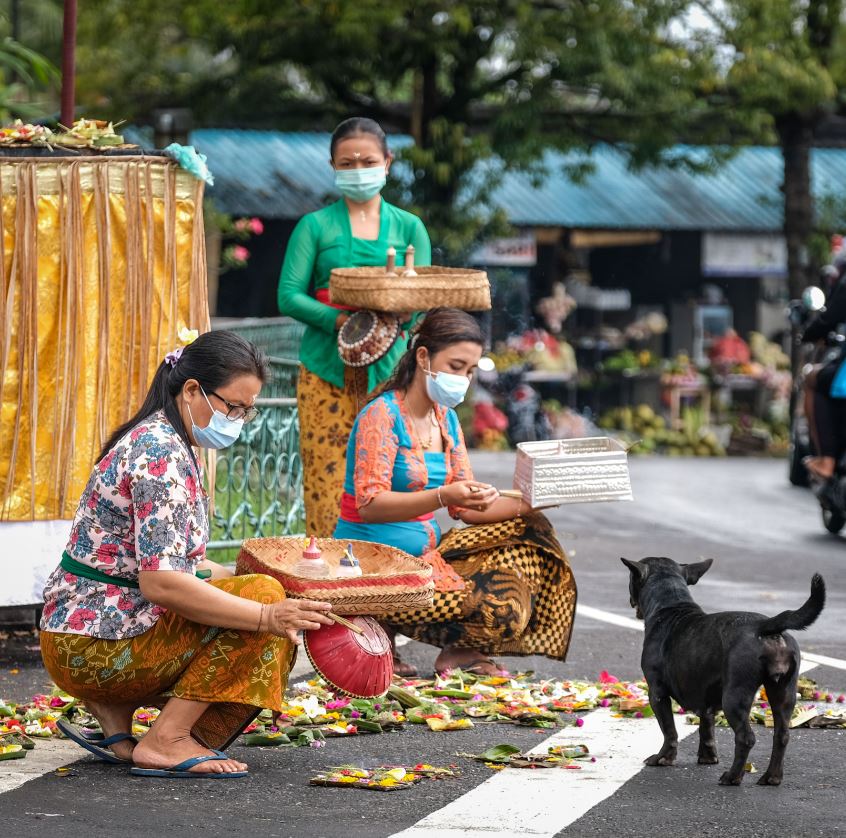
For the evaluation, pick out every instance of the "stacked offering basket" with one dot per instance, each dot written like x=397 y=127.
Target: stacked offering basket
x=391 y=579
x=382 y=293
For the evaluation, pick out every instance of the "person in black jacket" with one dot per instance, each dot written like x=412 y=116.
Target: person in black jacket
x=826 y=415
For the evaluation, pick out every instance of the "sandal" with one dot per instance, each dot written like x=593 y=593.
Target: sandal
x=100 y=748
x=181 y=770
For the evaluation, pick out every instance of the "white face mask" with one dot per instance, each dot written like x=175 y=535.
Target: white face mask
x=446 y=388
x=220 y=431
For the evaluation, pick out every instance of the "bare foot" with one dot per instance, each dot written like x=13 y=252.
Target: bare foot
x=467 y=659
x=160 y=752
x=115 y=718
x=822 y=467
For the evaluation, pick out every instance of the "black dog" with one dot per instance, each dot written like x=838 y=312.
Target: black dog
x=710 y=662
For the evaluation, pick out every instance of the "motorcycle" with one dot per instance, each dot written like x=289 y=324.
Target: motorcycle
x=527 y=420
x=799 y=313
x=830 y=493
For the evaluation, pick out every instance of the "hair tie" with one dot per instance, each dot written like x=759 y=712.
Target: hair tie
x=173 y=356
x=186 y=336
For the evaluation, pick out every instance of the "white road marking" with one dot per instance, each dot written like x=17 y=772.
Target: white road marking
x=543 y=802
x=48 y=755
x=823 y=660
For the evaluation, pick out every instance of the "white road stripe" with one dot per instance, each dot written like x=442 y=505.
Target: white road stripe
x=48 y=755
x=543 y=802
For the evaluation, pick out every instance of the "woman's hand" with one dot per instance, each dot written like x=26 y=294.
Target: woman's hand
x=340 y=320
x=469 y=494
x=286 y=618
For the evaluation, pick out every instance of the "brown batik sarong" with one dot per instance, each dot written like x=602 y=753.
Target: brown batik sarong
x=519 y=597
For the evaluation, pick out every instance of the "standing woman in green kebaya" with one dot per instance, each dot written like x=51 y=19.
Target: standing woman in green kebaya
x=355 y=231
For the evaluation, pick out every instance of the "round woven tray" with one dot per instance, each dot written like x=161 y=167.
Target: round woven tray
x=391 y=580
x=433 y=286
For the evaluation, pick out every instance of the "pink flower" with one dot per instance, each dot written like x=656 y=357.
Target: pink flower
x=580 y=722
x=144 y=510
x=158 y=467
x=124 y=488
x=106 y=461
x=80 y=617
x=191 y=486
x=256 y=226
x=240 y=254
x=150 y=563
x=240 y=224
x=138 y=432
x=605 y=678
x=106 y=553
x=92 y=500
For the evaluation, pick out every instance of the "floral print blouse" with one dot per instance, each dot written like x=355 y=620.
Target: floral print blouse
x=144 y=508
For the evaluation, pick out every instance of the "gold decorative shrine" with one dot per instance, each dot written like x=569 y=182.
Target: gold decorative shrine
x=102 y=261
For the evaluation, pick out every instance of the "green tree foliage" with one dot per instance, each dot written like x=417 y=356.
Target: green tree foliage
x=481 y=86
x=783 y=65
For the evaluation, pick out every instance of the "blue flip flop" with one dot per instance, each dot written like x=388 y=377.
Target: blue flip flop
x=101 y=748
x=181 y=770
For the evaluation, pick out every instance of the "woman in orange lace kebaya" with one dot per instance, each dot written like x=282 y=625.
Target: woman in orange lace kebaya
x=503 y=584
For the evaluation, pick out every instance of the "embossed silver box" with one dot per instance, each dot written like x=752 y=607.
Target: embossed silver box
x=572 y=471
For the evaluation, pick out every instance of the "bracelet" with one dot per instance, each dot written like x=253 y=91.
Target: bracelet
x=519 y=507
x=261 y=620
x=440 y=500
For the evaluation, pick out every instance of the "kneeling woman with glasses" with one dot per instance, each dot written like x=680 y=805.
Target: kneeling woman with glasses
x=128 y=620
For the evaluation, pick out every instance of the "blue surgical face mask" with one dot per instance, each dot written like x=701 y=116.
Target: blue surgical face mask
x=360 y=185
x=446 y=388
x=220 y=431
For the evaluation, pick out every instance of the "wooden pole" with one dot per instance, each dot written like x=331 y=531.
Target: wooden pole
x=69 y=64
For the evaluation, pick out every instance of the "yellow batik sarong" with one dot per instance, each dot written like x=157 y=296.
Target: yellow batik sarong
x=237 y=672
x=327 y=414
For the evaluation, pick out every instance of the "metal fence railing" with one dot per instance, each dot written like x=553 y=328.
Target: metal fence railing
x=258 y=487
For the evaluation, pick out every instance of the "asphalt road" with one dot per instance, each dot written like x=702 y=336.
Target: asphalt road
x=766 y=538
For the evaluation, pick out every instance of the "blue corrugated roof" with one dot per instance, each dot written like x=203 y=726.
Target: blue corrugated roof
x=284 y=175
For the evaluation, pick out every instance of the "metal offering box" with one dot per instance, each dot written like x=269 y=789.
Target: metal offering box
x=572 y=471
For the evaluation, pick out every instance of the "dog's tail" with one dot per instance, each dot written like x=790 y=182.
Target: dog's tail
x=803 y=617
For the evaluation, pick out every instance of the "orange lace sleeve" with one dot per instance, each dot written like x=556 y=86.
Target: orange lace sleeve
x=458 y=461
x=376 y=447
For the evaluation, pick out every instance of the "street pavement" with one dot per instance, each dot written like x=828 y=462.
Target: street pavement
x=767 y=540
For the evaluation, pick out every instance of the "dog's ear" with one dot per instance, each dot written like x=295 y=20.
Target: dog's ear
x=694 y=572
x=637 y=569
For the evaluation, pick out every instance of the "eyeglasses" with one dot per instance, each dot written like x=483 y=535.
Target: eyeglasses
x=236 y=412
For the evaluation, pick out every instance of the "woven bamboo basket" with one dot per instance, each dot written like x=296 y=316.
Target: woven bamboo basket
x=391 y=579
x=431 y=287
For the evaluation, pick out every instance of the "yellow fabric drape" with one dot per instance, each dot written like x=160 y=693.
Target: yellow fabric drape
x=102 y=261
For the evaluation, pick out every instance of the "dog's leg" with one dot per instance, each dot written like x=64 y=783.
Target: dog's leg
x=662 y=706
x=782 y=698
x=707 y=743
x=737 y=702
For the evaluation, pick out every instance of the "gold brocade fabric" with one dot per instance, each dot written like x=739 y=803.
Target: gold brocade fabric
x=102 y=261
